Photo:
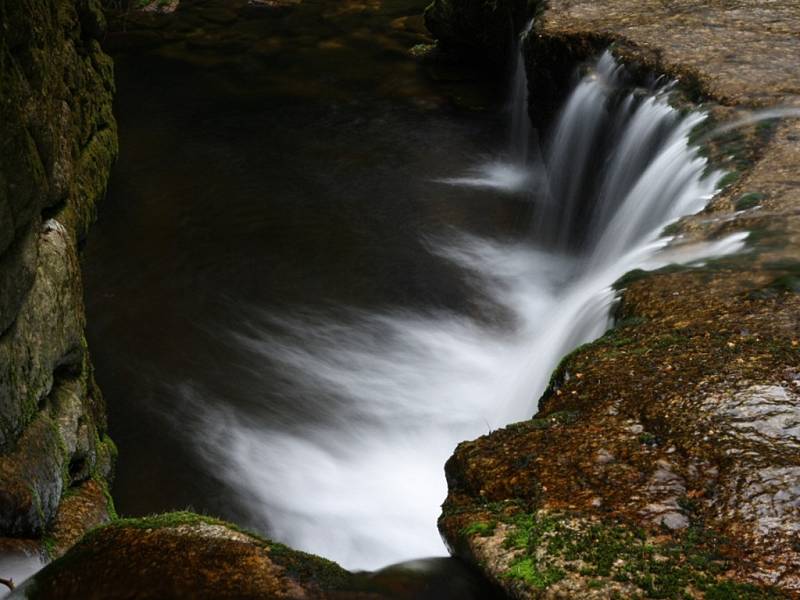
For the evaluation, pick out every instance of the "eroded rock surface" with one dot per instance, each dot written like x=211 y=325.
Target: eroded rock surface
x=738 y=52
x=663 y=461
x=57 y=143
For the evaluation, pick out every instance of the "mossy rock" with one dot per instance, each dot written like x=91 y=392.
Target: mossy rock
x=748 y=201
x=567 y=555
x=57 y=132
x=184 y=555
x=58 y=141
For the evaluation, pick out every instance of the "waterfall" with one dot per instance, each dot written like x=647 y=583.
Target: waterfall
x=619 y=165
x=521 y=130
x=520 y=170
x=388 y=396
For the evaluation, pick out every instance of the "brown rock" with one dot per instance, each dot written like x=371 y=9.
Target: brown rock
x=182 y=555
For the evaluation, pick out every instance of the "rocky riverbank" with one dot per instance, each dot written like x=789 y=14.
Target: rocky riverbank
x=58 y=144
x=663 y=461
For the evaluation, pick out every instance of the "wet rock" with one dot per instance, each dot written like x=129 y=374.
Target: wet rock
x=694 y=394
x=53 y=386
x=57 y=144
x=86 y=505
x=272 y=3
x=17 y=274
x=47 y=333
x=163 y=7
x=736 y=53
x=760 y=413
x=603 y=457
x=182 y=555
x=92 y=19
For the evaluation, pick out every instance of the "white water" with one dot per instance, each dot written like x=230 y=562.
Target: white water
x=522 y=170
x=18 y=567
x=521 y=130
x=392 y=394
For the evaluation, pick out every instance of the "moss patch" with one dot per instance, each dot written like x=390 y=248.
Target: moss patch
x=550 y=547
x=481 y=528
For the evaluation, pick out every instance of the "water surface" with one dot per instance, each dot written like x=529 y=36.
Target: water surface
x=277 y=170
x=320 y=266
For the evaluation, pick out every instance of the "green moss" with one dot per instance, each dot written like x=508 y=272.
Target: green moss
x=728 y=590
x=558 y=375
x=539 y=423
x=37 y=506
x=64 y=457
x=671 y=229
x=747 y=201
x=701 y=131
x=729 y=179
x=564 y=417
x=547 y=546
x=648 y=439
x=110 y=446
x=786 y=283
x=49 y=546
x=303 y=566
x=526 y=570
x=172 y=519
x=635 y=275
x=308 y=567
x=630 y=322
x=481 y=528
x=668 y=340
x=422 y=51
x=110 y=506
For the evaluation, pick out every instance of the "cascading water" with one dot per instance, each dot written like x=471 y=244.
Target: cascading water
x=388 y=396
x=520 y=170
x=521 y=130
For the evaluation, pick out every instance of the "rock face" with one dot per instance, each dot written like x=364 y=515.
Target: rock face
x=57 y=144
x=482 y=30
x=664 y=458
x=182 y=555
x=156 y=6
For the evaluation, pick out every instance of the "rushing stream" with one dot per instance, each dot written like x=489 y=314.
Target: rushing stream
x=301 y=297
x=394 y=391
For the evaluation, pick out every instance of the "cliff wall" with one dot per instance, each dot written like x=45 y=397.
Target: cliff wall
x=57 y=144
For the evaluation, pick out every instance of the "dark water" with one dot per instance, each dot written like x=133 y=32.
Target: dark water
x=284 y=160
